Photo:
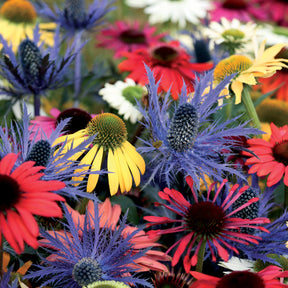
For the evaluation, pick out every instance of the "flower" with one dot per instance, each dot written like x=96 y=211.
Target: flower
x=100 y=254
x=107 y=284
x=242 y=10
x=124 y=36
x=110 y=136
x=17 y=21
x=161 y=11
x=277 y=14
x=74 y=17
x=184 y=138
x=17 y=139
x=78 y=119
x=23 y=195
x=123 y=96
x=35 y=71
x=233 y=36
x=110 y=217
x=248 y=71
x=5 y=279
x=169 y=62
x=271 y=156
x=218 y=228
x=265 y=278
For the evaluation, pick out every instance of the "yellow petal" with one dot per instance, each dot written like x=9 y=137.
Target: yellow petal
x=247 y=78
x=96 y=166
x=237 y=88
x=70 y=137
x=112 y=177
x=119 y=172
x=135 y=156
x=132 y=166
x=124 y=169
x=86 y=160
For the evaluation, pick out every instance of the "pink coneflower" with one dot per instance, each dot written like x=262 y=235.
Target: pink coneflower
x=266 y=278
x=242 y=10
x=216 y=229
x=124 y=36
x=109 y=217
x=43 y=126
x=169 y=62
x=272 y=156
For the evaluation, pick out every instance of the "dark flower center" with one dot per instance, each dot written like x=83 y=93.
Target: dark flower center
x=201 y=51
x=171 y=280
x=280 y=152
x=183 y=128
x=79 y=119
x=240 y=279
x=249 y=212
x=165 y=53
x=205 y=218
x=87 y=271
x=284 y=55
x=132 y=36
x=234 y=4
x=10 y=192
x=40 y=153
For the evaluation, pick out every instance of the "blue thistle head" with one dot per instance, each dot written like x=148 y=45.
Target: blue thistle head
x=40 y=153
x=186 y=137
x=89 y=253
x=30 y=60
x=74 y=12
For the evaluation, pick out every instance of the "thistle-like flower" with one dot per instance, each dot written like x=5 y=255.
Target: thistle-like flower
x=36 y=70
x=190 y=141
x=100 y=254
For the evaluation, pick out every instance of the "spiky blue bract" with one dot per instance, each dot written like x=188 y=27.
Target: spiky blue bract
x=17 y=138
x=5 y=279
x=49 y=68
x=211 y=137
x=104 y=245
x=73 y=17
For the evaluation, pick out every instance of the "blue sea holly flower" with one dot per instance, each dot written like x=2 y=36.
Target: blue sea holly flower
x=18 y=138
x=74 y=17
x=34 y=70
x=81 y=256
x=185 y=137
x=6 y=279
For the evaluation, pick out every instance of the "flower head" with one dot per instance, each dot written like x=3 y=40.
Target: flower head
x=73 y=17
x=242 y=10
x=178 y=12
x=100 y=254
x=110 y=137
x=123 y=96
x=36 y=70
x=233 y=36
x=218 y=228
x=265 y=278
x=171 y=64
x=248 y=71
x=24 y=194
x=123 y=36
x=18 y=19
x=188 y=141
x=271 y=156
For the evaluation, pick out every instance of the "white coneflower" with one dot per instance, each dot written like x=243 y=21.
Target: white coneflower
x=122 y=96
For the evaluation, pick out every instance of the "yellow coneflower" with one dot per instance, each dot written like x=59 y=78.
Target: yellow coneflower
x=111 y=138
x=247 y=70
x=17 y=21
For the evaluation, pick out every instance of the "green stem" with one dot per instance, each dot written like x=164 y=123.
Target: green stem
x=201 y=254
x=251 y=111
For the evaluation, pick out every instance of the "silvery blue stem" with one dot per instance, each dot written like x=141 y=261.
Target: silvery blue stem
x=77 y=72
x=36 y=105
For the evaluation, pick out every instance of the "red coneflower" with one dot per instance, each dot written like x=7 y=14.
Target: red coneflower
x=214 y=228
x=266 y=278
x=169 y=62
x=272 y=155
x=24 y=194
